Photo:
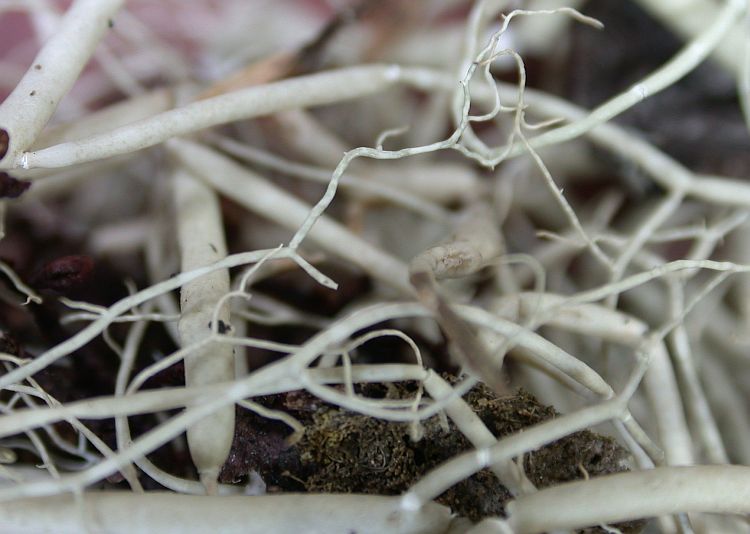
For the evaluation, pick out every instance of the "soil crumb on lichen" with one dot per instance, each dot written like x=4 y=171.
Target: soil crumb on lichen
x=345 y=452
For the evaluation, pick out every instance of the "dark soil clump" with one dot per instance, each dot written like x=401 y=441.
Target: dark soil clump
x=345 y=452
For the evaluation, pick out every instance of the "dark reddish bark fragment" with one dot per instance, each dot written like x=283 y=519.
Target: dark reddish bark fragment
x=11 y=187
x=64 y=274
x=4 y=142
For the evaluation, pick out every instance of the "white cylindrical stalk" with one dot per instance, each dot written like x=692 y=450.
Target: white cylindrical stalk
x=304 y=91
x=201 y=238
x=113 y=116
x=633 y=495
x=121 y=512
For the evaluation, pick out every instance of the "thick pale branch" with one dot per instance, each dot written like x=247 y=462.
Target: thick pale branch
x=305 y=91
x=169 y=513
x=200 y=232
x=660 y=491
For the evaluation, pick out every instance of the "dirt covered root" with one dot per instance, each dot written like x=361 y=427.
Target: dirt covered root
x=345 y=452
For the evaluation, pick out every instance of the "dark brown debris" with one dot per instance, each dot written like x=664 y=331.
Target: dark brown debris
x=11 y=187
x=4 y=142
x=9 y=345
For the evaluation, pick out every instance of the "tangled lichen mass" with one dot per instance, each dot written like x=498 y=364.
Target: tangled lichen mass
x=374 y=266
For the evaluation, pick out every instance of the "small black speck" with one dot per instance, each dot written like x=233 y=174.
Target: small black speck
x=223 y=327
x=173 y=275
x=38 y=66
x=110 y=23
x=32 y=93
x=212 y=247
